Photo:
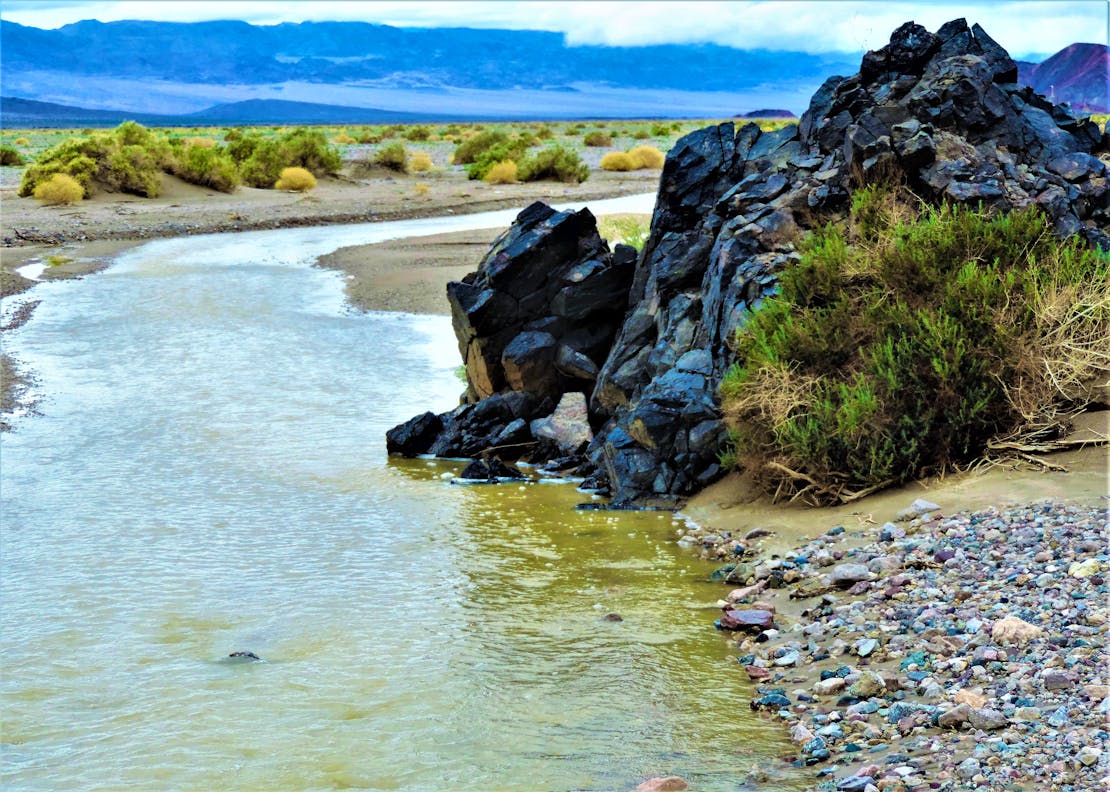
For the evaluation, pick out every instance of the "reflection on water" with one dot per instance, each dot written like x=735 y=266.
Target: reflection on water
x=209 y=475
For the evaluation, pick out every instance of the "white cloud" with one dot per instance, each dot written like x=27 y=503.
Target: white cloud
x=807 y=25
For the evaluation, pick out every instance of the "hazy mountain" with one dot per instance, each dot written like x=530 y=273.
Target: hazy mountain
x=163 y=67
x=240 y=73
x=21 y=113
x=1077 y=74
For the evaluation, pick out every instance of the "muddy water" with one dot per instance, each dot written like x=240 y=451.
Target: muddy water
x=208 y=475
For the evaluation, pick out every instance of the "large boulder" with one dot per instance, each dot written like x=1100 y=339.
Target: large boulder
x=533 y=322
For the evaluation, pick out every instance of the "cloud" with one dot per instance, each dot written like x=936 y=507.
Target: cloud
x=806 y=25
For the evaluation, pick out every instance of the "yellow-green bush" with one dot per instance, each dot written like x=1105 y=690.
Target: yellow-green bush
x=295 y=180
x=647 y=157
x=58 y=190
x=9 y=155
x=903 y=345
x=501 y=173
x=207 y=167
x=597 y=139
x=392 y=156
x=421 y=162
x=128 y=159
x=22 y=141
x=618 y=161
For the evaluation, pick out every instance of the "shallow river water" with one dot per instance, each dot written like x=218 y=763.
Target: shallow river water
x=208 y=475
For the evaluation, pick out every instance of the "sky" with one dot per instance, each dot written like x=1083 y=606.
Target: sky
x=1023 y=27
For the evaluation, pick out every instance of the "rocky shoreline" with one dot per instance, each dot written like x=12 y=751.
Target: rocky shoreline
x=923 y=653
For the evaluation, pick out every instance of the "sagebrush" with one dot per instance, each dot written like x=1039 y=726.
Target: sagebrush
x=911 y=341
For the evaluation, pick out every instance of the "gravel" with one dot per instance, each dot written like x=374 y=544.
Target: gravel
x=972 y=656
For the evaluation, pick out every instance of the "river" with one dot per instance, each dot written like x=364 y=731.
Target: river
x=208 y=475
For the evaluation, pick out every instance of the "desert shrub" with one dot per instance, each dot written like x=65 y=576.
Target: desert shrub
x=58 y=190
x=417 y=134
x=473 y=147
x=597 y=139
x=261 y=160
x=369 y=138
x=502 y=173
x=233 y=134
x=421 y=190
x=618 y=161
x=203 y=142
x=544 y=133
x=264 y=163
x=127 y=159
x=421 y=162
x=554 y=162
x=392 y=156
x=660 y=130
x=625 y=229
x=641 y=134
x=9 y=155
x=22 y=141
x=905 y=349
x=295 y=180
x=343 y=139
x=647 y=157
x=309 y=149
x=208 y=167
x=507 y=150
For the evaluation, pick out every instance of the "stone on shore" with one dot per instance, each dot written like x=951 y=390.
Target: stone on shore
x=663 y=784
x=1012 y=630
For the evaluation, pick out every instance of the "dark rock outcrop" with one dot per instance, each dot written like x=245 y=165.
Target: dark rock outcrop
x=550 y=311
x=938 y=111
x=534 y=322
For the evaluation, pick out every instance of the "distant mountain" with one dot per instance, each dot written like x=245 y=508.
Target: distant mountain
x=22 y=113
x=235 y=72
x=1077 y=74
x=170 y=68
x=224 y=53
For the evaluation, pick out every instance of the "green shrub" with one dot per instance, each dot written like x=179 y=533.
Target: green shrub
x=295 y=180
x=128 y=159
x=207 y=166
x=641 y=134
x=417 y=134
x=902 y=347
x=660 y=130
x=9 y=155
x=263 y=166
x=554 y=162
x=625 y=229
x=472 y=148
x=59 y=190
x=392 y=156
x=597 y=139
x=309 y=149
x=504 y=151
x=544 y=133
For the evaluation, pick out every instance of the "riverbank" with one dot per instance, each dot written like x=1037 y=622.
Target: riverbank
x=897 y=657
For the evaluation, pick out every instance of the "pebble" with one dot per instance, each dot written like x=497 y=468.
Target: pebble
x=980 y=640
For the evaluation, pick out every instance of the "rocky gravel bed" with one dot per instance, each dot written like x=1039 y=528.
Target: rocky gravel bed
x=934 y=652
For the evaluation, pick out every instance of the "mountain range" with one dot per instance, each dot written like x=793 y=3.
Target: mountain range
x=351 y=72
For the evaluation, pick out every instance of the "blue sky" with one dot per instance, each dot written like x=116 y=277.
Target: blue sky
x=809 y=25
